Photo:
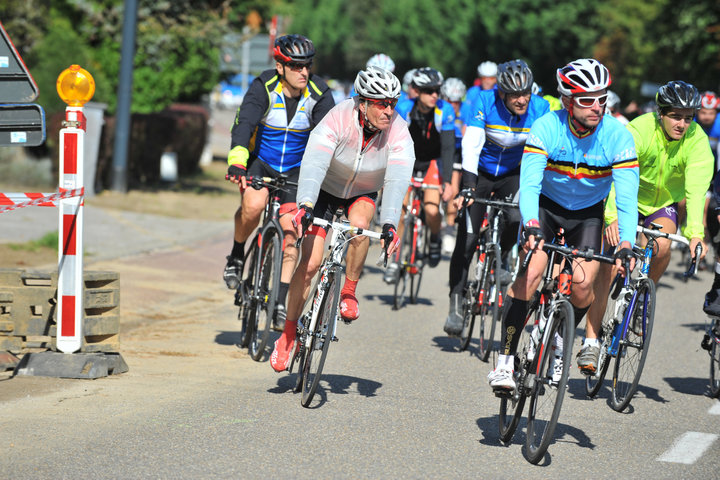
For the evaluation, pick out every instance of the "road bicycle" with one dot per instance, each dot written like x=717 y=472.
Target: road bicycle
x=257 y=293
x=414 y=246
x=317 y=327
x=628 y=323
x=711 y=343
x=483 y=292
x=550 y=315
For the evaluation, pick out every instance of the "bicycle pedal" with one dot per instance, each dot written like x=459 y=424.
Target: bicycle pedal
x=503 y=393
x=335 y=339
x=706 y=344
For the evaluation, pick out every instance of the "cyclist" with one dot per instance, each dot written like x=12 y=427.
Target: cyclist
x=408 y=91
x=381 y=60
x=613 y=108
x=492 y=149
x=709 y=120
x=453 y=91
x=569 y=161
x=431 y=122
x=675 y=164
x=361 y=146
x=487 y=80
x=277 y=114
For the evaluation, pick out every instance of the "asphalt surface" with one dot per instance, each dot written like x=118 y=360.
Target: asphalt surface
x=397 y=399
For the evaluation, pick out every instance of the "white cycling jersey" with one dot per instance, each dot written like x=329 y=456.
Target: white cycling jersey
x=336 y=162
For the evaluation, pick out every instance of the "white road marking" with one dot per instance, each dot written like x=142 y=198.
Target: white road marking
x=688 y=447
x=715 y=409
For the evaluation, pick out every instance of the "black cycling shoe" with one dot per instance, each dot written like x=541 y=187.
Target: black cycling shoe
x=233 y=271
x=434 y=253
x=278 y=321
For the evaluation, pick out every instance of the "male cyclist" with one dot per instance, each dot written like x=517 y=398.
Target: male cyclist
x=571 y=157
x=709 y=120
x=269 y=135
x=675 y=164
x=361 y=146
x=487 y=80
x=492 y=148
x=432 y=127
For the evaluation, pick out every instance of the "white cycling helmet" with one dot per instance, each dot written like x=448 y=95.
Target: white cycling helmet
x=407 y=78
x=584 y=75
x=453 y=89
x=487 y=69
x=613 y=100
x=381 y=60
x=378 y=83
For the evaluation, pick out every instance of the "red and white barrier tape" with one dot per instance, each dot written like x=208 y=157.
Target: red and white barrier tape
x=13 y=201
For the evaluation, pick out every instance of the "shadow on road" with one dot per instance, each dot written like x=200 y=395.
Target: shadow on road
x=690 y=386
x=331 y=385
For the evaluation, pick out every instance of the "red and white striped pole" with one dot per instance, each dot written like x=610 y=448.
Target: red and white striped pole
x=75 y=86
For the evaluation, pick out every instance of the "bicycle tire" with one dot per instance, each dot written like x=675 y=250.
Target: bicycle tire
x=511 y=408
x=546 y=399
x=489 y=312
x=406 y=258
x=247 y=305
x=634 y=346
x=267 y=283
x=319 y=344
x=421 y=251
x=715 y=361
x=470 y=300
x=593 y=384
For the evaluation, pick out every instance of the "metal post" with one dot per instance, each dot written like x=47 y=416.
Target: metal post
x=122 y=124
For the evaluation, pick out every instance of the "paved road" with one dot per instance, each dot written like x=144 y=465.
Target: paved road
x=397 y=399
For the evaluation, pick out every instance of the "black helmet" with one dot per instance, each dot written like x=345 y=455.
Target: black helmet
x=293 y=48
x=678 y=94
x=427 y=77
x=514 y=77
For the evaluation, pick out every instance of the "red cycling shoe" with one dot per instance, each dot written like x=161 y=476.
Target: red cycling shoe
x=282 y=352
x=349 y=309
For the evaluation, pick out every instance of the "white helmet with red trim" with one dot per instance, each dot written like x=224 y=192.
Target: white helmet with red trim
x=584 y=75
x=710 y=100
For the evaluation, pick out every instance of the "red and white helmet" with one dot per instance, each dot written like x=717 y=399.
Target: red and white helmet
x=710 y=100
x=584 y=75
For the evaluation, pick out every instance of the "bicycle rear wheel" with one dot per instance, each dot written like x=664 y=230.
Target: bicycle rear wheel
x=511 y=407
x=634 y=346
x=470 y=301
x=489 y=313
x=715 y=360
x=546 y=395
x=243 y=296
x=406 y=264
x=593 y=384
x=267 y=283
x=320 y=339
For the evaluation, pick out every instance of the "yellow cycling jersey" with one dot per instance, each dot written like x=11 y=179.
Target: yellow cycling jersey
x=670 y=170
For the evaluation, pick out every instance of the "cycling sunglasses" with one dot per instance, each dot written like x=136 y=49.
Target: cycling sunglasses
x=297 y=67
x=388 y=102
x=429 y=91
x=587 y=102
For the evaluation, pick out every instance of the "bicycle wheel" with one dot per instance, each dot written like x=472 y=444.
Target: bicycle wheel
x=715 y=361
x=511 y=407
x=267 y=283
x=406 y=265
x=321 y=336
x=634 y=346
x=546 y=395
x=468 y=311
x=243 y=297
x=489 y=312
x=420 y=255
x=593 y=383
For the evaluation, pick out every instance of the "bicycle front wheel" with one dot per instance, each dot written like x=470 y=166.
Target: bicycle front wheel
x=594 y=383
x=243 y=297
x=715 y=360
x=488 y=299
x=634 y=346
x=547 y=393
x=320 y=338
x=267 y=283
x=511 y=406
x=420 y=254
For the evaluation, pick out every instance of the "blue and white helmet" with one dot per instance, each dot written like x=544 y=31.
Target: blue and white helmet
x=381 y=60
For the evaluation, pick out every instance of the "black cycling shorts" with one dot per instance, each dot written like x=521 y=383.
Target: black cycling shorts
x=287 y=195
x=327 y=205
x=583 y=228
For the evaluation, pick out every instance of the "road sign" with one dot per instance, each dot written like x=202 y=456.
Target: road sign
x=16 y=83
x=21 y=123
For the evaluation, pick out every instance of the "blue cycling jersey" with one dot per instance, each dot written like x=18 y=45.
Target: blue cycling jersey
x=713 y=133
x=505 y=132
x=472 y=94
x=577 y=172
x=444 y=114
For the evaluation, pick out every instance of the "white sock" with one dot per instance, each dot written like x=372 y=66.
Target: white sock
x=506 y=362
x=591 y=342
x=558 y=345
